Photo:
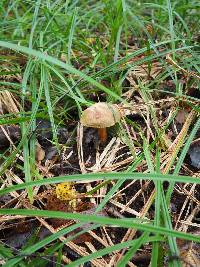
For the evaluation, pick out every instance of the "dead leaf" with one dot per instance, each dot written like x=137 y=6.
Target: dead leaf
x=181 y=116
x=40 y=153
x=190 y=258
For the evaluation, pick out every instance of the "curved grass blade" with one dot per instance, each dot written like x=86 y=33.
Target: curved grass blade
x=181 y=158
x=32 y=249
x=103 y=176
x=126 y=223
x=106 y=251
x=69 y=68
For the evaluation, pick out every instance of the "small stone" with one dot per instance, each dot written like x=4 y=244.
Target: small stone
x=194 y=153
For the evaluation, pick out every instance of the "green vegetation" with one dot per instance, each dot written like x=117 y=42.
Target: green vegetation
x=59 y=57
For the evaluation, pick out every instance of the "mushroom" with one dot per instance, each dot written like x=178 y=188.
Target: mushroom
x=101 y=115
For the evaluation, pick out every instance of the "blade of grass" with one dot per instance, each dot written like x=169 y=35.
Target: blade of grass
x=129 y=255
x=6 y=253
x=126 y=223
x=171 y=26
x=156 y=255
x=181 y=159
x=55 y=61
x=104 y=251
x=33 y=126
x=130 y=169
x=117 y=44
x=171 y=240
x=103 y=176
x=39 y=245
x=34 y=22
x=26 y=152
x=45 y=78
x=71 y=33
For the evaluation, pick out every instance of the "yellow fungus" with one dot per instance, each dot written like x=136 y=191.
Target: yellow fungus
x=67 y=192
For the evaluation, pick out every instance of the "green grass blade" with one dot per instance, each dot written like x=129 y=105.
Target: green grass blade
x=39 y=245
x=34 y=22
x=45 y=78
x=132 y=250
x=181 y=159
x=59 y=63
x=156 y=253
x=171 y=240
x=126 y=223
x=71 y=33
x=26 y=152
x=104 y=251
x=103 y=176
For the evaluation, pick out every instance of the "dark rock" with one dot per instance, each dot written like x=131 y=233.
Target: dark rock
x=44 y=133
x=13 y=132
x=51 y=152
x=194 y=153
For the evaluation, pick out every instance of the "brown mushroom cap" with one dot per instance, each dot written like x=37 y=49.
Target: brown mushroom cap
x=101 y=115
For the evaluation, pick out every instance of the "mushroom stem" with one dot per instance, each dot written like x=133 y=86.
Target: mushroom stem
x=102 y=135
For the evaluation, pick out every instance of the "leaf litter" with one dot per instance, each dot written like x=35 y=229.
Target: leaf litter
x=149 y=112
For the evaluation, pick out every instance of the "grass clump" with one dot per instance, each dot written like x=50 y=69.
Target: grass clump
x=137 y=194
